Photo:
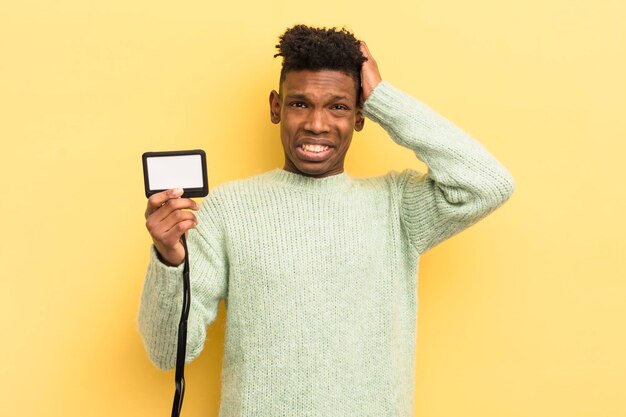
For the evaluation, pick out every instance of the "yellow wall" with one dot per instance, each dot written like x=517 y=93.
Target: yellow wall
x=521 y=315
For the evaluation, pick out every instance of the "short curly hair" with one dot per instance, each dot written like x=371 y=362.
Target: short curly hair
x=308 y=48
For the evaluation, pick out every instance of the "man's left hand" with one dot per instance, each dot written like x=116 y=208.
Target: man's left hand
x=370 y=76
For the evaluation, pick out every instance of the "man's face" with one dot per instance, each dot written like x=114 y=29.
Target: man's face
x=317 y=112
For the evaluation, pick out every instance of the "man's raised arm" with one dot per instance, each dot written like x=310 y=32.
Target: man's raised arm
x=464 y=182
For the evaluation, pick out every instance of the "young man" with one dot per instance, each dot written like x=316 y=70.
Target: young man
x=318 y=269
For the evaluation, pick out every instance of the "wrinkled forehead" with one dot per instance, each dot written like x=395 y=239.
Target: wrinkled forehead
x=319 y=83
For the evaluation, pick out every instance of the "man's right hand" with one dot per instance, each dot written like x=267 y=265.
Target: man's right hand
x=167 y=220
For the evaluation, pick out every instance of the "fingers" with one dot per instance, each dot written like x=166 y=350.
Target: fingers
x=157 y=200
x=366 y=53
x=371 y=62
x=370 y=75
x=167 y=201
x=171 y=238
x=159 y=228
x=170 y=207
x=167 y=218
x=364 y=49
x=166 y=233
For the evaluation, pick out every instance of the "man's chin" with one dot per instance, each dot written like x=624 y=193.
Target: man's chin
x=314 y=169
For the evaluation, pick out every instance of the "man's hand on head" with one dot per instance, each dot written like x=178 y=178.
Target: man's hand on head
x=370 y=76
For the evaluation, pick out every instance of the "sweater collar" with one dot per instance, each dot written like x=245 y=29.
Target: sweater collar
x=301 y=182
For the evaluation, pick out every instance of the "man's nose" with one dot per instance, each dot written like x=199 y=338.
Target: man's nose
x=317 y=122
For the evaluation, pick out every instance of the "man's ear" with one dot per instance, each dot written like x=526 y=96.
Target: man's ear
x=274 y=107
x=360 y=120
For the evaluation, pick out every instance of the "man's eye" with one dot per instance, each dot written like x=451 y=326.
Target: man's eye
x=339 y=107
x=297 y=104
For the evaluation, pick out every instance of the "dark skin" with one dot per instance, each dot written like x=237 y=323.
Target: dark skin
x=317 y=111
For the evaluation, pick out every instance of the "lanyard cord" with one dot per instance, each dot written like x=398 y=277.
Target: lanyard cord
x=182 y=337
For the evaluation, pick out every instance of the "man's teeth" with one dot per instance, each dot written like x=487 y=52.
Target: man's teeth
x=314 y=148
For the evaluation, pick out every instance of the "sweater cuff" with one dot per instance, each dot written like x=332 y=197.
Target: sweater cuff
x=166 y=279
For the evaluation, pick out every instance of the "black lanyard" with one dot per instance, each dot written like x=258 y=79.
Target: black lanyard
x=179 y=377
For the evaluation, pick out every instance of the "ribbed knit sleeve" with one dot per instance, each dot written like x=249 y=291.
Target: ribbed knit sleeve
x=464 y=182
x=162 y=295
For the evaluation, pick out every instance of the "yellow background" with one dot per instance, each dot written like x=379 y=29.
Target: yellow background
x=521 y=315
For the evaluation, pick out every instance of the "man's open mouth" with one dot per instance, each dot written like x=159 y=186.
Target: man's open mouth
x=313 y=152
x=313 y=148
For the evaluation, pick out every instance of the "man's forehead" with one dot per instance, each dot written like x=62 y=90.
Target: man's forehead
x=322 y=82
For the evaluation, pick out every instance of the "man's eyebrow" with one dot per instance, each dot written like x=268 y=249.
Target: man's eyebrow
x=335 y=98
x=302 y=96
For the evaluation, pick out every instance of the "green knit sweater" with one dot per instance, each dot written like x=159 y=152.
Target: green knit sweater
x=319 y=276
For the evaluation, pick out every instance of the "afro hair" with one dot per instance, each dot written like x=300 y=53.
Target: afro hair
x=307 y=48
